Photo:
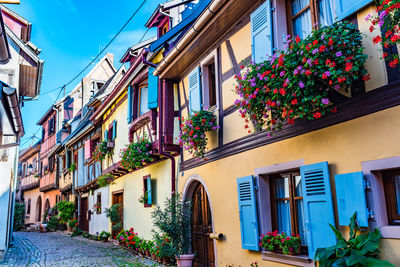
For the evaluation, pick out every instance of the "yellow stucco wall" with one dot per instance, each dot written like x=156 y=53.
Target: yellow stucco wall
x=344 y=146
x=135 y=214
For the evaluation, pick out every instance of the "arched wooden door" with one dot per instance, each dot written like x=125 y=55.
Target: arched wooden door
x=202 y=245
x=39 y=209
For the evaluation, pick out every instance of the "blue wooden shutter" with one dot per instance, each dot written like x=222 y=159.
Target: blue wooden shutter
x=350 y=197
x=152 y=96
x=195 y=90
x=345 y=8
x=149 y=198
x=129 y=104
x=114 y=130
x=106 y=135
x=318 y=207
x=248 y=213
x=261 y=32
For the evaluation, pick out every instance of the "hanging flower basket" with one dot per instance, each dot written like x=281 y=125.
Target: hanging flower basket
x=137 y=154
x=389 y=21
x=193 y=132
x=100 y=151
x=296 y=83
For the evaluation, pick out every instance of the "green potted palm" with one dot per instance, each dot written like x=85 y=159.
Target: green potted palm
x=174 y=222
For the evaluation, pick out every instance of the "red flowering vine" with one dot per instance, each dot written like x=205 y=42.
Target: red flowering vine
x=388 y=19
x=297 y=82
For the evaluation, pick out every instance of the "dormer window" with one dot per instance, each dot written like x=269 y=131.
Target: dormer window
x=163 y=27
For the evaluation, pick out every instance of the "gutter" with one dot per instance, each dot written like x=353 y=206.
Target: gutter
x=190 y=35
x=9 y=98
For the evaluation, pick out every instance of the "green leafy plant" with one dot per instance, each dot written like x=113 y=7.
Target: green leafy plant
x=72 y=167
x=358 y=250
x=104 y=235
x=114 y=214
x=105 y=180
x=100 y=151
x=174 y=222
x=137 y=154
x=66 y=211
x=389 y=21
x=52 y=224
x=144 y=197
x=193 y=136
x=19 y=216
x=298 y=82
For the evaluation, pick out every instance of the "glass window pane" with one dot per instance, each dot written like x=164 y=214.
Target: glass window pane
x=143 y=100
x=282 y=187
x=297 y=186
x=325 y=12
x=302 y=24
x=300 y=216
x=283 y=216
x=298 y=5
x=397 y=189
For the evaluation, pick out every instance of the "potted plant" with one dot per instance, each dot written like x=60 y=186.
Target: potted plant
x=100 y=151
x=193 y=130
x=174 y=221
x=97 y=207
x=66 y=211
x=104 y=236
x=298 y=82
x=144 y=197
x=358 y=250
x=137 y=154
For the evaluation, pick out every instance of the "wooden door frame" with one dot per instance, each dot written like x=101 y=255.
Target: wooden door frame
x=113 y=194
x=187 y=194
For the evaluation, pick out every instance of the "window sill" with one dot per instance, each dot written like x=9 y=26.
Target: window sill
x=299 y=260
x=390 y=231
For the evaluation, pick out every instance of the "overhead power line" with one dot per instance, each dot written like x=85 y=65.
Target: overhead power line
x=99 y=54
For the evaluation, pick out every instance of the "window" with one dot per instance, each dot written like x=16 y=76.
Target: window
x=163 y=28
x=209 y=82
x=142 y=97
x=98 y=204
x=287 y=204
x=52 y=125
x=90 y=172
x=147 y=191
x=28 y=208
x=303 y=15
x=391 y=181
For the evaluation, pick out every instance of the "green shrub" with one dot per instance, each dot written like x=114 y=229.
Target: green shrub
x=174 y=222
x=114 y=214
x=67 y=210
x=19 y=215
x=52 y=224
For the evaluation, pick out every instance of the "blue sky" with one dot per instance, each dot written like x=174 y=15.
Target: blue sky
x=70 y=34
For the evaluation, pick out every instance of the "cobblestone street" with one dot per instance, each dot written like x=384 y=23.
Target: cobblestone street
x=58 y=249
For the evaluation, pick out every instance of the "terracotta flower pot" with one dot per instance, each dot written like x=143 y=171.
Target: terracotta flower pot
x=147 y=253
x=159 y=259
x=185 y=260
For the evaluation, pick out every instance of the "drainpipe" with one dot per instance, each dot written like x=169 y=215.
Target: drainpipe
x=160 y=135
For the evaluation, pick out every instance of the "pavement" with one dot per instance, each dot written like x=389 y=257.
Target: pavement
x=59 y=249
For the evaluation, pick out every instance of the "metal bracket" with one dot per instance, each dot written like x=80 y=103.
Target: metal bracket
x=367 y=185
x=371 y=214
